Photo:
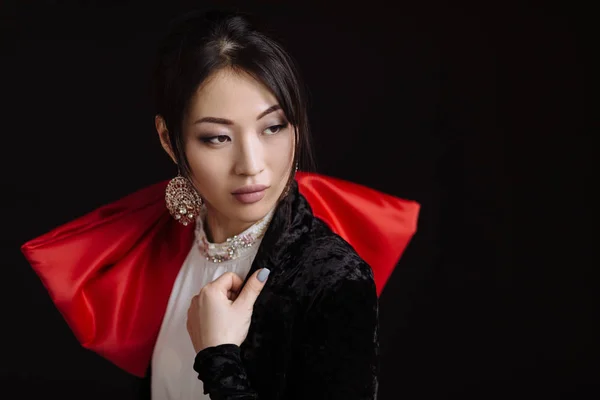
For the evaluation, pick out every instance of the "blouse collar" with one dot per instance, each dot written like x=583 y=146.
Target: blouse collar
x=234 y=247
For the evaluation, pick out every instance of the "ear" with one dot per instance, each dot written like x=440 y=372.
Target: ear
x=163 y=134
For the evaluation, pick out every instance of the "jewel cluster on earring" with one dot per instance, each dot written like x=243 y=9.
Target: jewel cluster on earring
x=182 y=200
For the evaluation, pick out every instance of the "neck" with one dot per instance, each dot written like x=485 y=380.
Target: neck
x=218 y=228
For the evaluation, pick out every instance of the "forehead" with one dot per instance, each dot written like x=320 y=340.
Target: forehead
x=231 y=94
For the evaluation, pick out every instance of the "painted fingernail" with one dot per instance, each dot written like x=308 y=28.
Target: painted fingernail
x=263 y=274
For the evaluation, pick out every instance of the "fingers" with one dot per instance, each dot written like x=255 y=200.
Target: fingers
x=193 y=304
x=232 y=295
x=252 y=289
x=228 y=282
x=191 y=309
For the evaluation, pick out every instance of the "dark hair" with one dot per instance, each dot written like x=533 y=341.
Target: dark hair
x=201 y=43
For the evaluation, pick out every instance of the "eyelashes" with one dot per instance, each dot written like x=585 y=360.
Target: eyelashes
x=278 y=128
x=215 y=139
x=221 y=139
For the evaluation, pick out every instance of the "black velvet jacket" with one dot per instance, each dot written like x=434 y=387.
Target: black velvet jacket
x=314 y=328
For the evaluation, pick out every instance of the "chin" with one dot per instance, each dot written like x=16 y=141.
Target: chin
x=252 y=213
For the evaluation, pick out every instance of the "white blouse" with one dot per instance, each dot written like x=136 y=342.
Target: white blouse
x=173 y=376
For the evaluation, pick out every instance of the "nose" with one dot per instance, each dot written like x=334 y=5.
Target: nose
x=249 y=156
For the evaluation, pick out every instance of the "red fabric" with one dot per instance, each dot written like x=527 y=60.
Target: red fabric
x=110 y=272
x=377 y=225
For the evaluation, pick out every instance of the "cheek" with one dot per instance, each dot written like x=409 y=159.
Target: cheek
x=209 y=169
x=281 y=153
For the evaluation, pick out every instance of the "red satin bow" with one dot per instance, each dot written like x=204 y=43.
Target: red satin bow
x=110 y=272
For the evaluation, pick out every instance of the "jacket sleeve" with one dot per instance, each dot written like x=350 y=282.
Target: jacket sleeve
x=336 y=356
x=340 y=350
x=221 y=370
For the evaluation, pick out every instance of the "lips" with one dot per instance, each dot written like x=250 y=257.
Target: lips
x=250 y=194
x=250 y=189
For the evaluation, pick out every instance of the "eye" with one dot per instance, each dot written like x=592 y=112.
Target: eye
x=220 y=139
x=272 y=130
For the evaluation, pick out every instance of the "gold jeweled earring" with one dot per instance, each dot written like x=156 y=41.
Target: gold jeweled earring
x=183 y=201
x=286 y=191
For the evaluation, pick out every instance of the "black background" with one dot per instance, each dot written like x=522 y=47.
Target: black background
x=475 y=112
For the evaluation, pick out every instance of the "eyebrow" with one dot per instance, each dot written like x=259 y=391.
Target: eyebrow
x=225 y=121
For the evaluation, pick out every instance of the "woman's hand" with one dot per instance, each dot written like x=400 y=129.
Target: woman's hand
x=221 y=313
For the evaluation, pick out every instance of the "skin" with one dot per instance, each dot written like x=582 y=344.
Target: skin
x=222 y=311
x=235 y=135
x=225 y=157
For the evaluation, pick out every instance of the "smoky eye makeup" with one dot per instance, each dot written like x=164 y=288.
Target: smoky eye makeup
x=270 y=129
x=214 y=139
x=281 y=122
x=273 y=129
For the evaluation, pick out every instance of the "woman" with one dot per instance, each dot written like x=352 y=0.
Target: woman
x=242 y=293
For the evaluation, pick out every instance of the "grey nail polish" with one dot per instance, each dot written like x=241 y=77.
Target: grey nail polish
x=263 y=274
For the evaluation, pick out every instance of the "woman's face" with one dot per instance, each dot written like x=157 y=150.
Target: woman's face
x=240 y=147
